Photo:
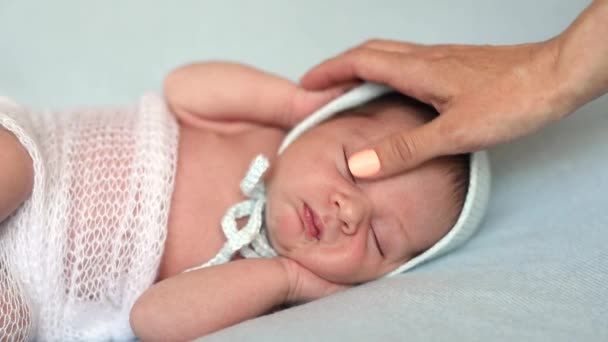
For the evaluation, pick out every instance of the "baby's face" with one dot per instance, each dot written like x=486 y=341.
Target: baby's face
x=347 y=230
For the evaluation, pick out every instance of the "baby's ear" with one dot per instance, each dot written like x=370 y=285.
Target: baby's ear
x=306 y=102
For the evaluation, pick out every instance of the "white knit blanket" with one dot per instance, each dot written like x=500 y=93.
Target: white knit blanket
x=88 y=242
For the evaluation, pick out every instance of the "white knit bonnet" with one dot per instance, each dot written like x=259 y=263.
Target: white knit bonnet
x=479 y=178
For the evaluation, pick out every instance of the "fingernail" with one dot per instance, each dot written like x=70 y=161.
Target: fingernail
x=364 y=163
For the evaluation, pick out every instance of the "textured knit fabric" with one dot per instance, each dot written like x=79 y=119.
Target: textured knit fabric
x=77 y=254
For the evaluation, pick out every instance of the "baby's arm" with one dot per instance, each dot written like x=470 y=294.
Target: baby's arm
x=16 y=174
x=230 y=93
x=200 y=302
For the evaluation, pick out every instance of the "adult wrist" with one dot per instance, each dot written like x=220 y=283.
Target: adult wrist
x=582 y=57
x=563 y=94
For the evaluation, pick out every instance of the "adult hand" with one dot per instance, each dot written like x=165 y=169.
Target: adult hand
x=304 y=285
x=485 y=94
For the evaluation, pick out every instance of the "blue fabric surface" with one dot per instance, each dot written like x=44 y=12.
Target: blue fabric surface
x=537 y=270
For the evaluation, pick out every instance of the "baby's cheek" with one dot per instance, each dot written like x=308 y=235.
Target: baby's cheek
x=287 y=225
x=283 y=225
x=341 y=264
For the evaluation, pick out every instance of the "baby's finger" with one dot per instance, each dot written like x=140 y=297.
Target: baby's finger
x=307 y=101
x=334 y=288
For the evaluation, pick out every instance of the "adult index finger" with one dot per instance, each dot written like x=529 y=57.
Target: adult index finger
x=406 y=73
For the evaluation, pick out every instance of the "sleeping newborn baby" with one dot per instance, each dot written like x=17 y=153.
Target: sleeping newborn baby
x=146 y=231
x=348 y=230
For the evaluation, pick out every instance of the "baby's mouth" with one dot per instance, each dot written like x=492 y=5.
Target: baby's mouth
x=312 y=224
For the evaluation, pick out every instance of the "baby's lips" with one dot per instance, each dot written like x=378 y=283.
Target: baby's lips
x=311 y=228
x=318 y=224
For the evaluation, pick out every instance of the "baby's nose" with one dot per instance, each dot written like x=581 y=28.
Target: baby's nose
x=351 y=212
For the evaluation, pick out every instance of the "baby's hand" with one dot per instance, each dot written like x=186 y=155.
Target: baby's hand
x=305 y=286
x=307 y=101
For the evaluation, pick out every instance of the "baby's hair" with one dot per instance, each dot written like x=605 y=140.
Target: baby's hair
x=457 y=168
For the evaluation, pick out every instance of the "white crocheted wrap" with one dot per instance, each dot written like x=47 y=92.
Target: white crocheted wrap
x=77 y=254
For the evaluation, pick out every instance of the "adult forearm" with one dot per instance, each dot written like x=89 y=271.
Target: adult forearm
x=583 y=56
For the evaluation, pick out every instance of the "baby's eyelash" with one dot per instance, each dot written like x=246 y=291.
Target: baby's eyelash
x=377 y=242
x=350 y=174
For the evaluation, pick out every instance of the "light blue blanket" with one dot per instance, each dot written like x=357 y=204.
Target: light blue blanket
x=537 y=270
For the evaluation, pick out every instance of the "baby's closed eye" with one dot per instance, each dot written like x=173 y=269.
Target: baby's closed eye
x=377 y=241
x=345 y=166
x=352 y=178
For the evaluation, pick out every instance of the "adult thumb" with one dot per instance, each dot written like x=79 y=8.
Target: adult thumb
x=397 y=153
